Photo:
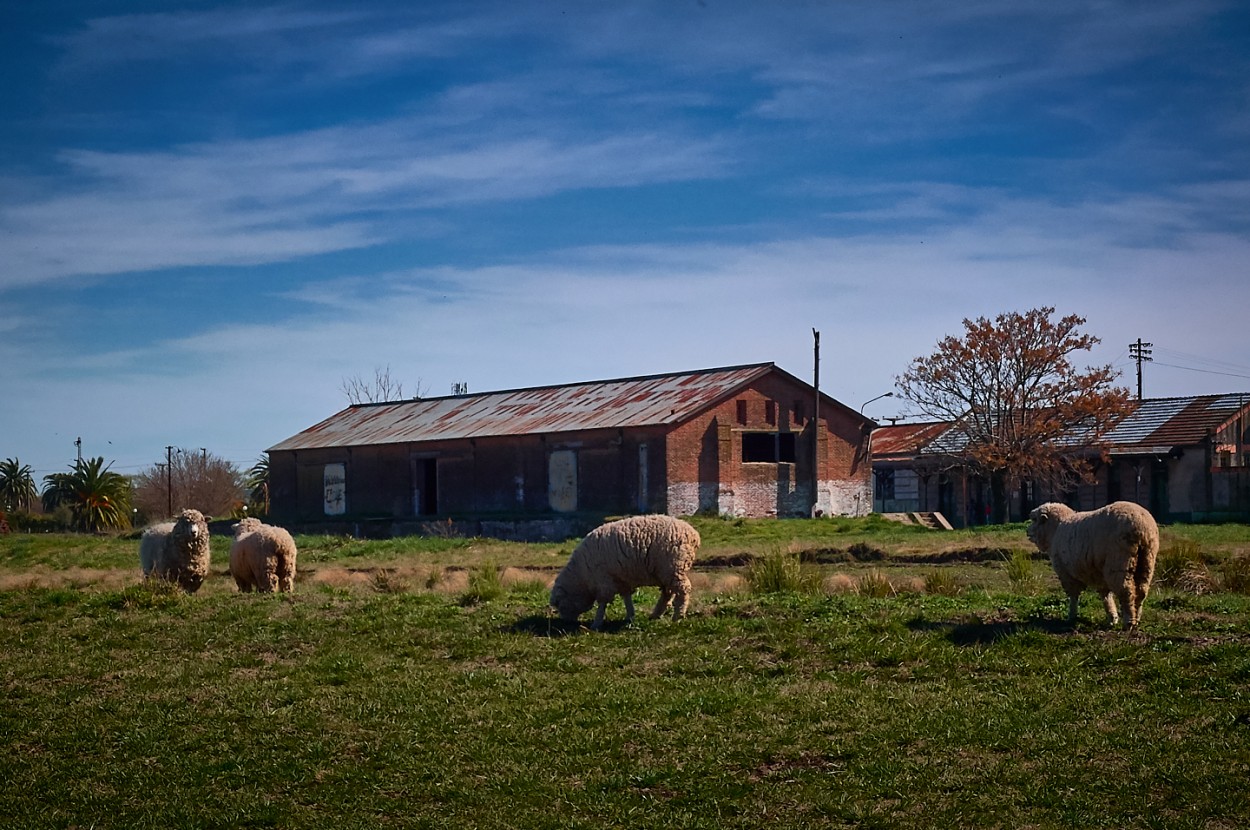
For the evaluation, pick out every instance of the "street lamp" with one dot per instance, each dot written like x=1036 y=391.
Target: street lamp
x=868 y=449
x=870 y=400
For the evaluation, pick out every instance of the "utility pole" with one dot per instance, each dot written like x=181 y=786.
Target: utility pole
x=78 y=444
x=169 y=478
x=816 y=422
x=1140 y=352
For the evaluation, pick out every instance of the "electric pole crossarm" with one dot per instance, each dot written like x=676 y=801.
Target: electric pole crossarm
x=1140 y=352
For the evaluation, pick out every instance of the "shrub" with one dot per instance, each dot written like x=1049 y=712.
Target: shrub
x=35 y=522
x=782 y=572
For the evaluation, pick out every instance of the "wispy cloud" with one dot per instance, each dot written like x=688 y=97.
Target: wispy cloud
x=274 y=199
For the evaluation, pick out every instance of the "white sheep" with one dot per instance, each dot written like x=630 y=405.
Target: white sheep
x=620 y=556
x=262 y=557
x=177 y=551
x=1111 y=550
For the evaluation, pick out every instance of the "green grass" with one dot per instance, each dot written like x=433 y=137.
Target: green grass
x=387 y=701
x=364 y=709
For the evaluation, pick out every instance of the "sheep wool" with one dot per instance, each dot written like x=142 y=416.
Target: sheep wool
x=177 y=551
x=618 y=557
x=1112 y=550
x=262 y=557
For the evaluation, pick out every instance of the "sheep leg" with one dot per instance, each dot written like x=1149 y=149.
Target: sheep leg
x=597 y=623
x=628 y=598
x=1108 y=603
x=1125 y=591
x=681 y=598
x=1128 y=601
x=666 y=597
x=1142 y=574
x=1074 y=601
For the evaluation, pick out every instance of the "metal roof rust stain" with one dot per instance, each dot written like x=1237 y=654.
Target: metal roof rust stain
x=1155 y=424
x=646 y=401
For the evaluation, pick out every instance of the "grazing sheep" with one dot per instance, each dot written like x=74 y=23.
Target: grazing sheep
x=177 y=551
x=618 y=557
x=1111 y=550
x=262 y=557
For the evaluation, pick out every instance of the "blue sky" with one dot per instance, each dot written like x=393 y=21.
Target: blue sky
x=213 y=213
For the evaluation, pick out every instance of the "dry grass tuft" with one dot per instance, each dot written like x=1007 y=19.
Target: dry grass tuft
x=840 y=583
x=942 y=583
x=525 y=579
x=875 y=584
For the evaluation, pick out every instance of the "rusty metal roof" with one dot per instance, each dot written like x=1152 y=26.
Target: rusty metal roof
x=905 y=439
x=1163 y=423
x=607 y=404
x=1154 y=426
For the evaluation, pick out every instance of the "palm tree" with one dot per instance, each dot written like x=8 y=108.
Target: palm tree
x=97 y=498
x=17 y=485
x=258 y=485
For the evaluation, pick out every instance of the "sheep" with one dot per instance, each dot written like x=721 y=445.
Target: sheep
x=262 y=557
x=1111 y=550
x=177 y=551
x=620 y=556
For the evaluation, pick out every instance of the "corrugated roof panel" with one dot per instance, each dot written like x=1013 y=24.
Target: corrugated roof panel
x=905 y=439
x=1155 y=425
x=1164 y=422
x=628 y=402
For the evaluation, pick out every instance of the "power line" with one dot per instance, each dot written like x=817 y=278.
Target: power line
x=1199 y=360
x=1206 y=371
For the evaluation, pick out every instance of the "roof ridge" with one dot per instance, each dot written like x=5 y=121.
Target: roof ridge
x=571 y=384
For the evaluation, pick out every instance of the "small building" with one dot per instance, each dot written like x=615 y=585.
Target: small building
x=1182 y=458
x=748 y=440
x=901 y=481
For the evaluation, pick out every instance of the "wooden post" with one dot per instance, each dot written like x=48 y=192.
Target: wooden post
x=816 y=422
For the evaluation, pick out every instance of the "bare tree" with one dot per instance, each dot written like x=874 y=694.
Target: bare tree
x=195 y=478
x=381 y=389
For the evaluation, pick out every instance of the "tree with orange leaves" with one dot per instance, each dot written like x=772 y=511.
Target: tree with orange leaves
x=1024 y=411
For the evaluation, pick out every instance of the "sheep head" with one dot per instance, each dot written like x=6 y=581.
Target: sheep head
x=249 y=525
x=1043 y=521
x=191 y=523
x=570 y=604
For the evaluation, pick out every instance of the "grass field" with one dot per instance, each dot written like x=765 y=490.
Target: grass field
x=905 y=679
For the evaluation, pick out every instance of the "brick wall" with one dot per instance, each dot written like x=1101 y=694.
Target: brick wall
x=706 y=471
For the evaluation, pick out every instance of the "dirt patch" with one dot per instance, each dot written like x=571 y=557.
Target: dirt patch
x=860 y=553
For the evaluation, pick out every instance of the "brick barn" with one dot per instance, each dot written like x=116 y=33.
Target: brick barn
x=736 y=441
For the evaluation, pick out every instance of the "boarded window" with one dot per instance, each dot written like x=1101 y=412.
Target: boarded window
x=742 y=412
x=798 y=412
x=562 y=481
x=334 y=479
x=770 y=412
